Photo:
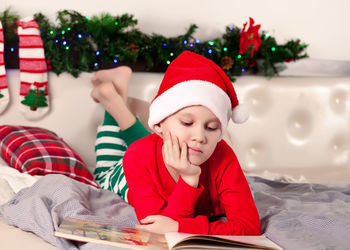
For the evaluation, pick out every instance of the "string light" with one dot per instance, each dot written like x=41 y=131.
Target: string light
x=208 y=48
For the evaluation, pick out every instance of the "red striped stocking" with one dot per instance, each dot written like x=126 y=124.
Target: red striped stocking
x=33 y=70
x=4 y=93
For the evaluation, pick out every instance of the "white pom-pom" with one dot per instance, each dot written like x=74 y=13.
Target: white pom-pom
x=240 y=113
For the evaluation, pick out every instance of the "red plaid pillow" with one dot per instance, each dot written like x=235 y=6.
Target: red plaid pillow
x=38 y=151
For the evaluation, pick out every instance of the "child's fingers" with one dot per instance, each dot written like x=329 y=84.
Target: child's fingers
x=167 y=146
x=183 y=155
x=175 y=147
x=149 y=219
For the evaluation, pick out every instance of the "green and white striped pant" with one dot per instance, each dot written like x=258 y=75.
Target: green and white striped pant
x=111 y=144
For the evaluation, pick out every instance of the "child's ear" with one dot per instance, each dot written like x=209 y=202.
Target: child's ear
x=158 y=129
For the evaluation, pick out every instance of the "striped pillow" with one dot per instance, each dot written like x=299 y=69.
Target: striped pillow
x=38 y=151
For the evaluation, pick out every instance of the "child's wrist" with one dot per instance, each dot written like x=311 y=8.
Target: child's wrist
x=191 y=180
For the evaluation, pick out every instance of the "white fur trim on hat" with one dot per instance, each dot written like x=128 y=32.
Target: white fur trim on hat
x=189 y=93
x=240 y=113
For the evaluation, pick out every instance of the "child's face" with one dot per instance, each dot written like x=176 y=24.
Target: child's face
x=198 y=127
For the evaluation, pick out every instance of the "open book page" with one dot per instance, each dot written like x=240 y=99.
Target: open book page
x=179 y=241
x=88 y=231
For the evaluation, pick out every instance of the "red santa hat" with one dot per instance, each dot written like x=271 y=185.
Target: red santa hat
x=190 y=80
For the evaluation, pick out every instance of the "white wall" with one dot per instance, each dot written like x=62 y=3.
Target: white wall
x=323 y=24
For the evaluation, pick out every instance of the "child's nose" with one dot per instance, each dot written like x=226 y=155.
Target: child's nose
x=199 y=134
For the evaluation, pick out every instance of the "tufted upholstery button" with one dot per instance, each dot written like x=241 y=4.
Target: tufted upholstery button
x=339 y=98
x=299 y=126
x=259 y=101
x=338 y=148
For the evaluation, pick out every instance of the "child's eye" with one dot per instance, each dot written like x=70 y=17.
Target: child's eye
x=187 y=124
x=212 y=128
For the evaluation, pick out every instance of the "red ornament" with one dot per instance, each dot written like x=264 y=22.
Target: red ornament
x=289 y=60
x=250 y=39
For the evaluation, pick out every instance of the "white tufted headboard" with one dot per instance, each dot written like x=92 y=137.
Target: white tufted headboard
x=298 y=123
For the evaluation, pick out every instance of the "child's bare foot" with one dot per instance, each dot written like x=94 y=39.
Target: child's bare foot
x=105 y=93
x=120 y=77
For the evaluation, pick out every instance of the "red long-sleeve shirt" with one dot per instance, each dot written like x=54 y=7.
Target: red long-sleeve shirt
x=223 y=191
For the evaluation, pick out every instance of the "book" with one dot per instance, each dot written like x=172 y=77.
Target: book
x=88 y=231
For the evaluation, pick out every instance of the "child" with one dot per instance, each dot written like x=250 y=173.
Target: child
x=184 y=177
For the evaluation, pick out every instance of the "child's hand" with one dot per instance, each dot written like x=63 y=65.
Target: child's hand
x=158 y=224
x=177 y=158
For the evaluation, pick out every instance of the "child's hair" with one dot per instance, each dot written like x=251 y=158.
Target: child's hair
x=192 y=79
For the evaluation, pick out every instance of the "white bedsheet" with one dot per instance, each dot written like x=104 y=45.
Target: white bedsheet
x=11 y=181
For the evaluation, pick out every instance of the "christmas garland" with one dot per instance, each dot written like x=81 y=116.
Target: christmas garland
x=84 y=44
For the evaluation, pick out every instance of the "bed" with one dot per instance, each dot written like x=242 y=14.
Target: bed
x=294 y=150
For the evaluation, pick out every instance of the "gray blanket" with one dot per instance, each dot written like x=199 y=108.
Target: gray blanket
x=295 y=216
x=42 y=207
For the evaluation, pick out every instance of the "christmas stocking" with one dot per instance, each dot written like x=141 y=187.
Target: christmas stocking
x=33 y=70
x=4 y=93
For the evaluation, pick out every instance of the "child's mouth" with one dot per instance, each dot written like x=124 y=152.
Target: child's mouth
x=195 y=150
